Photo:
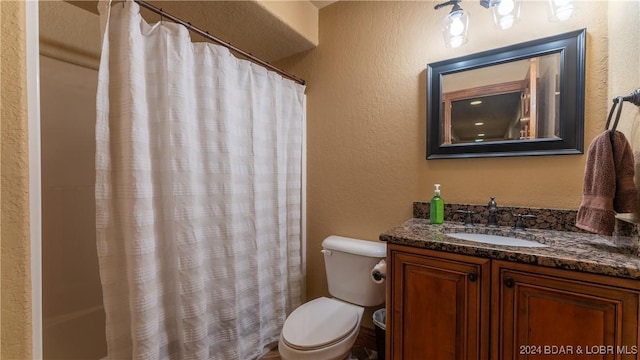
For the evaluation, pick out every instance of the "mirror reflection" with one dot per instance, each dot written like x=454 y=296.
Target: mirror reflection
x=517 y=100
x=520 y=100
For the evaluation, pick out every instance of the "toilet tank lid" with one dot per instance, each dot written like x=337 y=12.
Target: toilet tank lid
x=375 y=249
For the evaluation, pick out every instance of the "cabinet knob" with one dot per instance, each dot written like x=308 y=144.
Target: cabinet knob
x=508 y=282
x=472 y=276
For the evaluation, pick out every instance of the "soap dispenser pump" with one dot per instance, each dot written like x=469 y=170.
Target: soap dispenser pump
x=436 y=207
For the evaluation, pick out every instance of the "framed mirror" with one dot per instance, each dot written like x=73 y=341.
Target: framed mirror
x=524 y=99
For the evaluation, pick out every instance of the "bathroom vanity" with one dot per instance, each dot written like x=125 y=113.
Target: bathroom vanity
x=576 y=298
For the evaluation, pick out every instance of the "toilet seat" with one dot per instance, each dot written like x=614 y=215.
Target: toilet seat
x=320 y=323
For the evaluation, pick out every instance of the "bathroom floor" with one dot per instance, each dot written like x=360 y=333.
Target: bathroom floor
x=357 y=353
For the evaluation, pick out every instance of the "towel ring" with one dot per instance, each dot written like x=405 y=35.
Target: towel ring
x=616 y=102
x=633 y=98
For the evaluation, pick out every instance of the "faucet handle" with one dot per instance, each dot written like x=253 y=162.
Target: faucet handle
x=519 y=224
x=467 y=219
x=492 y=220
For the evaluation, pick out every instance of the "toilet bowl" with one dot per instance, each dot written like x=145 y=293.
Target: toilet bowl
x=322 y=329
x=327 y=328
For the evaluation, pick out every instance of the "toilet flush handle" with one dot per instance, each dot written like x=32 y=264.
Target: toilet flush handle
x=326 y=252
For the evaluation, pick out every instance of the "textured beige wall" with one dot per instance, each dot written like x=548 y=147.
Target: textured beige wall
x=624 y=50
x=268 y=29
x=367 y=110
x=69 y=33
x=300 y=16
x=624 y=72
x=15 y=276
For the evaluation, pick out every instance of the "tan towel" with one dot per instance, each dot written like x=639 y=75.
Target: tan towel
x=608 y=184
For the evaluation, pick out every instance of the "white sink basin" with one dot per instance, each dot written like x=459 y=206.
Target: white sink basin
x=496 y=240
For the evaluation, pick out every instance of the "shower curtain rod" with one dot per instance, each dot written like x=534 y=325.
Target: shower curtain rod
x=208 y=36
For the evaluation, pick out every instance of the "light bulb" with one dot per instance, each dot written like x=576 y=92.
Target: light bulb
x=456 y=41
x=457 y=26
x=505 y=7
x=506 y=22
x=561 y=2
x=506 y=13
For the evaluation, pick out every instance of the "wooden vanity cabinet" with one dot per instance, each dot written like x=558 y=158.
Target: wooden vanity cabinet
x=438 y=305
x=547 y=313
x=449 y=306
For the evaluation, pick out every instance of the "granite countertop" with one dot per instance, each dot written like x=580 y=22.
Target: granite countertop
x=614 y=256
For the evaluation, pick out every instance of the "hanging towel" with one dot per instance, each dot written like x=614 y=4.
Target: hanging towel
x=608 y=183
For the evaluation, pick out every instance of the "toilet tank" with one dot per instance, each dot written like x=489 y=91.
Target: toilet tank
x=348 y=263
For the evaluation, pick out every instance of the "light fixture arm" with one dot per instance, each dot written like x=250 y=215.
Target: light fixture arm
x=633 y=98
x=485 y=3
x=448 y=3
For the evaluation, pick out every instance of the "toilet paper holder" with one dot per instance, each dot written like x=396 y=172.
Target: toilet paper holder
x=377 y=275
x=379 y=272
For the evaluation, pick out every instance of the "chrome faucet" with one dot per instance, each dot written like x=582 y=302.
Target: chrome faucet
x=493 y=213
x=468 y=220
x=519 y=224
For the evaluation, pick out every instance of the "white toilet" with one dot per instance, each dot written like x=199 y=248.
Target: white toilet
x=326 y=328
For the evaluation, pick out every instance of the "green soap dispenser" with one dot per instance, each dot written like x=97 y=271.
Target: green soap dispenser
x=436 y=209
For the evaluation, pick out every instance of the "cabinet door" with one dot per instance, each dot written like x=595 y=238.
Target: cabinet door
x=436 y=305
x=542 y=313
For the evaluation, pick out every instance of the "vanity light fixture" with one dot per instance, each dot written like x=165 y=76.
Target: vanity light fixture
x=505 y=13
x=455 y=25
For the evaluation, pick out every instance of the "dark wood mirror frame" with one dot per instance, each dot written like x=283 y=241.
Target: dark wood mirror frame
x=572 y=50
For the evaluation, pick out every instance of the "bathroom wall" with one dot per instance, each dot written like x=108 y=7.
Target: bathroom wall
x=15 y=258
x=624 y=68
x=73 y=315
x=268 y=29
x=366 y=124
x=367 y=110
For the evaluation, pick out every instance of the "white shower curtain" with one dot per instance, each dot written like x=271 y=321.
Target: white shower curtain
x=198 y=194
